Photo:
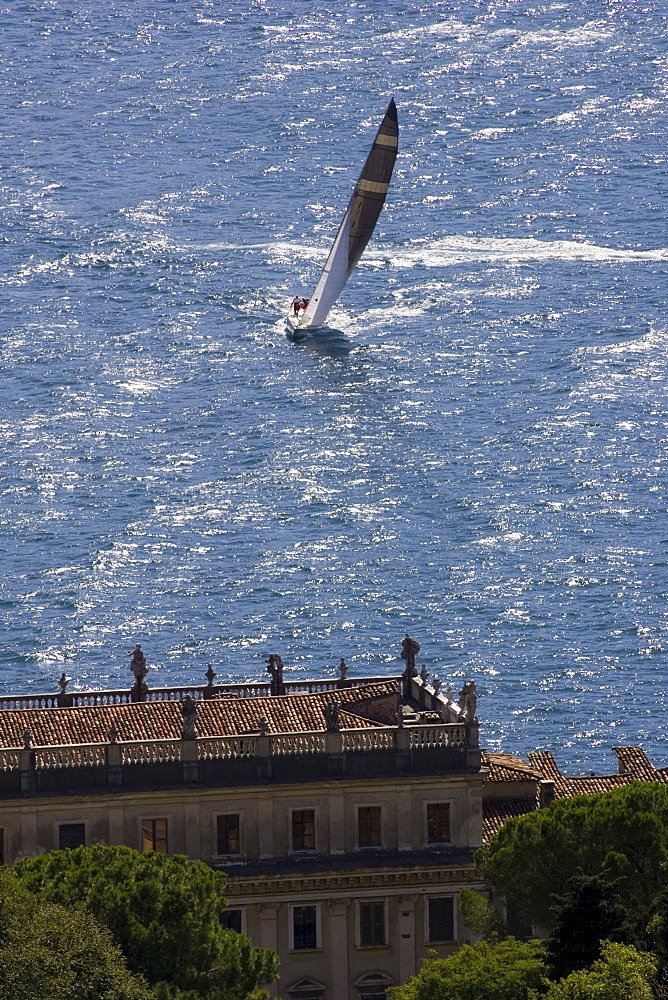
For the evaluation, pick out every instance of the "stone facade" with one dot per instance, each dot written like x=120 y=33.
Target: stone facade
x=345 y=813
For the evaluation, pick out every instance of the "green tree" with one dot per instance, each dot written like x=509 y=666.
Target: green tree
x=622 y=973
x=490 y=970
x=587 y=914
x=622 y=833
x=50 y=953
x=479 y=913
x=163 y=912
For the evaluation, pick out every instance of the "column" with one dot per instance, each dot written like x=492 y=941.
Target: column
x=269 y=934
x=407 y=939
x=338 y=942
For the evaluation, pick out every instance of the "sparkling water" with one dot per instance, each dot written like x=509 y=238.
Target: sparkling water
x=473 y=452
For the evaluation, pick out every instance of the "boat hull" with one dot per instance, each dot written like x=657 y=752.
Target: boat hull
x=294 y=325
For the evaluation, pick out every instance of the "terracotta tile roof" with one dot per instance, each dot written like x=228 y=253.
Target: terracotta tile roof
x=633 y=766
x=544 y=762
x=568 y=788
x=506 y=767
x=495 y=812
x=363 y=707
x=633 y=760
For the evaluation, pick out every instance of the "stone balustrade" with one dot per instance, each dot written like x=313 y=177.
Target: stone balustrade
x=282 y=756
x=74 y=699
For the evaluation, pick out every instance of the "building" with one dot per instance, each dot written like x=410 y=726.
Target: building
x=345 y=812
x=516 y=787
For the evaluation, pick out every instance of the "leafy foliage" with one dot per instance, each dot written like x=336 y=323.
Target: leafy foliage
x=164 y=914
x=479 y=913
x=622 y=973
x=50 y=953
x=622 y=834
x=490 y=970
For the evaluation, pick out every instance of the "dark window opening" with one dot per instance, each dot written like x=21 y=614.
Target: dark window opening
x=372 y=925
x=305 y=931
x=369 y=834
x=231 y=919
x=438 y=823
x=71 y=835
x=441 y=918
x=303 y=830
x=227 y=829
x=154 y=835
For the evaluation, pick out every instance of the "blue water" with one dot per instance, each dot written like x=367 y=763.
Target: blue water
x=474 y=452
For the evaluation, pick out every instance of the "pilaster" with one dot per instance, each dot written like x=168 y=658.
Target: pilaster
x=337 y=844
x=269 y=934
x=407 y=937
x=338 y=943
x=404 y=818
x=265 y=825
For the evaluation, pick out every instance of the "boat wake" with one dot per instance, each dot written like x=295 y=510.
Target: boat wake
x=463 y=250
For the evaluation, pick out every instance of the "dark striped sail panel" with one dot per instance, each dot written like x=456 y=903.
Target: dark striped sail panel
x=371 y=190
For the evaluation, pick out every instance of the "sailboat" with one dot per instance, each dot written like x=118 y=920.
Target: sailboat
x=356 y=227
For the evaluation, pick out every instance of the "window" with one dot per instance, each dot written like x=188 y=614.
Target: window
x=306 y=989
x=303 y=830
x=438 y=823
x=71 y=835
x=227 y=831
x=154 y=835
x=304 y=927
x=231 y=919
x=373 y=986
x=368 y=826
x=441 y=915
x=372 y=924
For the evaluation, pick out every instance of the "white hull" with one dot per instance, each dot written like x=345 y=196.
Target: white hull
x=295 y=324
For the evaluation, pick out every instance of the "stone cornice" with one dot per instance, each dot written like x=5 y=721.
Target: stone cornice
x=350 y=881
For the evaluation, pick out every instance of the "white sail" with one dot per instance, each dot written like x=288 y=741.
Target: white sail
x=332 y=279
x=358 y=223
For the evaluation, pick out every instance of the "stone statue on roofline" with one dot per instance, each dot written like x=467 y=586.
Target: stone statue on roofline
x=342 y=681
x=139 y=669
x=189 y=717
x=275 y=668
x=468 y=700
x=409 y=650
x=63 y=699
x=331 y=712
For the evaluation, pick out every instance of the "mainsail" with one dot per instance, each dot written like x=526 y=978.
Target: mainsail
x=358 y=223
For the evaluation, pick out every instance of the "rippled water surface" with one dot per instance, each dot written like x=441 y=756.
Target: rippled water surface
x=474 y=452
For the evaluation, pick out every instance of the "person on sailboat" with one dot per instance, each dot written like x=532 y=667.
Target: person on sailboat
x=299 y=303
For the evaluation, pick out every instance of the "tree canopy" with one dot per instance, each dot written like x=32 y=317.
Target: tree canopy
x=490 y=970
x=589 y=913
x=164 y=914
x=622 y=973
x=48 y=952
x=622 y=833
